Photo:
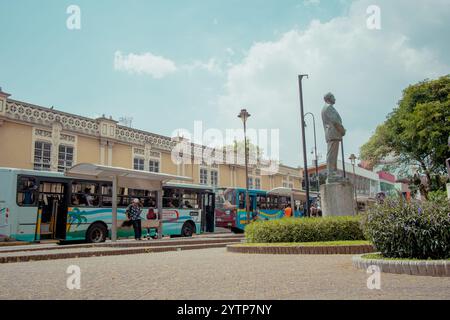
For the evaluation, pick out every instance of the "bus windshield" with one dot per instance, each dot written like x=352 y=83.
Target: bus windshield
x=225 y=199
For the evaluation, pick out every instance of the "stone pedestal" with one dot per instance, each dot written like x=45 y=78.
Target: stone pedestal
x=338 y=199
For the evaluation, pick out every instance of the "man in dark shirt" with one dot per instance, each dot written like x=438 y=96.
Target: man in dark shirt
x=134 y=211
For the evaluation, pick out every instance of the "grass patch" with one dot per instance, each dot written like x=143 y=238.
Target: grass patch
x=309 y=244
x=378 y=256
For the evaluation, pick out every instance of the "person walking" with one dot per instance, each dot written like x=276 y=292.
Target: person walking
x=288 y=211
x=134 y=211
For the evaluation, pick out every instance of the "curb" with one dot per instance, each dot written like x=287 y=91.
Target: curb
x=71 y=255
x=436 y=268
x=350 y=249
x=144 y=243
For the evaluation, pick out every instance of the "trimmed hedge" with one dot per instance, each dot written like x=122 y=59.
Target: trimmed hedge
x=305 y=230
x=416 y=230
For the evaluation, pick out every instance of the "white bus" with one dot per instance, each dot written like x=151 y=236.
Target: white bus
x=38 y=205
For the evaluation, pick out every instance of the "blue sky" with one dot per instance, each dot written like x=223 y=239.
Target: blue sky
x=215 y=57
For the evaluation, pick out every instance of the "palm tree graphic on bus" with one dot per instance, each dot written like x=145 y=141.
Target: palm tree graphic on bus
x=75 y=216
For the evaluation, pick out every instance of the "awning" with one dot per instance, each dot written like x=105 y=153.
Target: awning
x=126 y=178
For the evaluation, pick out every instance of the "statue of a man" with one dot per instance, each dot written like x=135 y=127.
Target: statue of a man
x=334 y=131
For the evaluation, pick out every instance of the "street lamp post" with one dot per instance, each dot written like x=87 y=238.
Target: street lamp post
x=353 y=161
x=315 y=149
x=244 y=115
x=305 y=159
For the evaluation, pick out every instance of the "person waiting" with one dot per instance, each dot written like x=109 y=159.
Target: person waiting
x=288 y=211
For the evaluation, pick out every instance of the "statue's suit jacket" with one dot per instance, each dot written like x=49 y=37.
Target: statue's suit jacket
x=332 y=124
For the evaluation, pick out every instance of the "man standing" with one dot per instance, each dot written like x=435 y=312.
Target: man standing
x=288 y=211
x=334 y=132
x=133 y=212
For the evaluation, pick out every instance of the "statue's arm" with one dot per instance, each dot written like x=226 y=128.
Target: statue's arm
x=337 y=123
x=340 y=128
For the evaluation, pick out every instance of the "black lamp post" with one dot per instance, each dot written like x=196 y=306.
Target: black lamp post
x=305 y=157
x=315 y=149
x=353 y=161
x=244 y=115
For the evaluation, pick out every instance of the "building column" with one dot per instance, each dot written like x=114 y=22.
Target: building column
x=56 y=138
x=147 y=150
x=110 y=153
x=103 y=144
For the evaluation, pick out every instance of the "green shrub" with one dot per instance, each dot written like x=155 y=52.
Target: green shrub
x=305 y=230
x=417 y=230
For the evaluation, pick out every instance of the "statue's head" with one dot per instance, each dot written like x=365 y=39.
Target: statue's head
x=329 y=98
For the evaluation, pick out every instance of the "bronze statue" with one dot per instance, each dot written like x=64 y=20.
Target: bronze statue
x=334 y=132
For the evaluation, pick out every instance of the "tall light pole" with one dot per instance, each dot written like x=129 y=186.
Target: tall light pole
x=315 y=149
x=244 y=115
x=305 y=159
x=353 y=161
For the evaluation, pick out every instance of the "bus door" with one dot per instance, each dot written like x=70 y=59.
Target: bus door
x=208 y=207
x=52 y=210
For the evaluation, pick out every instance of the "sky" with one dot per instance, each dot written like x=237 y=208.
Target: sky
x=168 y=64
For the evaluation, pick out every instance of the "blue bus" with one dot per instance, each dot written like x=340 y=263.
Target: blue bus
x=38 y=205
x=231 y=207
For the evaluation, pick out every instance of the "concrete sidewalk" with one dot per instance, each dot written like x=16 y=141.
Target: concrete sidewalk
x=123 y=247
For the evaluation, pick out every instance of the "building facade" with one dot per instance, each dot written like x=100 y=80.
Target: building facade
x=41 y=138
x=366 y=182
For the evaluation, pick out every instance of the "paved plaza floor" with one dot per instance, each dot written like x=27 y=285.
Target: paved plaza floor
x=211 y=274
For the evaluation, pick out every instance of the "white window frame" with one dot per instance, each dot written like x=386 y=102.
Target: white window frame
x=214 y=182
x=65 y=164
x=140 y=159
x=158 y=165
x=42 y=166
x=203 y=176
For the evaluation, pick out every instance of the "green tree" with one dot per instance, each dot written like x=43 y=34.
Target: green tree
x=416 y=133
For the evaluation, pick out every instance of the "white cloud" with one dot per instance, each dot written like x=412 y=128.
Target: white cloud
x=367 y=70
x=308 y=3
x=212 y=66
x=158 y=67
x=146 y=63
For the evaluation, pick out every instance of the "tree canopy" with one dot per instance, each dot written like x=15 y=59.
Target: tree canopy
x=416 y=132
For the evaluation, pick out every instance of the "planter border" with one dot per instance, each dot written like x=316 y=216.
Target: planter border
x=274 y=249
x=434 y=268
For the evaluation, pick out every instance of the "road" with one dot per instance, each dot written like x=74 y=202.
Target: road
x=211 y=274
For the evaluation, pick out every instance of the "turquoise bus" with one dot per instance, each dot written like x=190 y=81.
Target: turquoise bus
x=231 y=207
x=38 y=205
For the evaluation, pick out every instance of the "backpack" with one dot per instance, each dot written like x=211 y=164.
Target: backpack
x=151 y=215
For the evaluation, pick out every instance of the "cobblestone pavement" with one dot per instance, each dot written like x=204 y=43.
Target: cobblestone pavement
x=211 y=274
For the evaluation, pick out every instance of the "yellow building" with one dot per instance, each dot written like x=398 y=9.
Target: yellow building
x=40 y=138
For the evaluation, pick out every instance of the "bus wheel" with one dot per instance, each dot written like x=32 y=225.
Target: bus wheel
x=188 y=229
x=96 y=233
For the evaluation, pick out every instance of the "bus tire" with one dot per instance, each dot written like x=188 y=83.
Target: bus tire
x=188 y=229
x=96 y=233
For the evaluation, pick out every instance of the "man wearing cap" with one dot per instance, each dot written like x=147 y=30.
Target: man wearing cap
x=133 y=212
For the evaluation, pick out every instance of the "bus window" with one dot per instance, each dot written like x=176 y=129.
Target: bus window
x=147 y=198
x=261 y=202
x=171 y=198
x=241 y=200
x=225 y=199
x=190 y=200
x=26 y=191
x=106 y=193
x=85 y=194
